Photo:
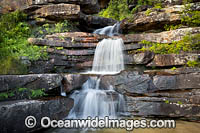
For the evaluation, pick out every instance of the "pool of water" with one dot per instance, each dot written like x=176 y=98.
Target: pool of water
x=181 y=127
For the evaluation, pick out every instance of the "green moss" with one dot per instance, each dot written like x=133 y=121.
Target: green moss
x=173 y=68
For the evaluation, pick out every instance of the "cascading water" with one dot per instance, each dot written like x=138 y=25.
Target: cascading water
x=94 y=100
x=109 y=30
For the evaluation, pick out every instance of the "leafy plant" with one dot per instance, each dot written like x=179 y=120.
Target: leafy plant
x=37 y=93
x=193 y=63
x=190 y=17
x=116 y=9
x=173 y=68
x=48 y=29
x=172 y=27
x=148 y=11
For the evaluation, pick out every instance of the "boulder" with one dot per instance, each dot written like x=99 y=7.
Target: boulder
x=172 y=59
x=31 y=81
x=14 y=113
x=155 y=19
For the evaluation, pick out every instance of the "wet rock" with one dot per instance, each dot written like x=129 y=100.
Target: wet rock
x=32 y=81
x=172 y=59
x=90 y=23
x=14 y=113
x=130 y=83
x=156 y=19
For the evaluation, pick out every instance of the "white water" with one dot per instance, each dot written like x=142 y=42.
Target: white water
x=108 y=58
x=109 y=30
x=93 y=100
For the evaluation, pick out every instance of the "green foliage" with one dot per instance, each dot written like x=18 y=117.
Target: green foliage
x=173 y=68
x=23 y=93
x=10 y=65
x=148 y=11
x=193 y=63
x=179 y=102
x=172 y=27
x=117 y=9
x=37 y=93
x=13 y=37
x=3 y=96
x=190 y=17
x=187 y=44
x=167 y=101
x=48 y=29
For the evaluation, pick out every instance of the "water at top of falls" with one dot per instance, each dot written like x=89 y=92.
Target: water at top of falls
x=109 y=30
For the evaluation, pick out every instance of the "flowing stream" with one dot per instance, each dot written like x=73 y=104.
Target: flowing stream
x=93 y=99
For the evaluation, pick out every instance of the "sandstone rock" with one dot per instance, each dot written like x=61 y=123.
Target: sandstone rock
x=58 y=11
x=14 y=113
x=143 y=58
x=156 y=19
x=130 y=83
x=150 y=108
x=87 y=6
x=172 y=59
x=167 y=72
x=73 y=81
x=162 y=37
x=32 y=81
x=182 y=81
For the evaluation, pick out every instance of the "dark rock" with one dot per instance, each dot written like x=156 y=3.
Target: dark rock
x=143 y=58
x=149 y=108
x=182 y=81
x=130 y=83
x=32 y=81
x=14 y=113
x=90 y=23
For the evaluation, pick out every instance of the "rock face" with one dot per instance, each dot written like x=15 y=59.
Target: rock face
x=162 y=37
x=14 y=113
x=32 y=81
x=155 y=19
x=161 y=95
x=58 y=11
x=10 y=5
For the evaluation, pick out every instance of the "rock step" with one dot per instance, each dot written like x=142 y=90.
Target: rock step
x=14 y=113
x=144 y=21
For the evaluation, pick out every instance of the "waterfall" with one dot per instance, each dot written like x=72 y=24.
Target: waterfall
x=94 y=100
x=109 y=30
x=108 y=58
